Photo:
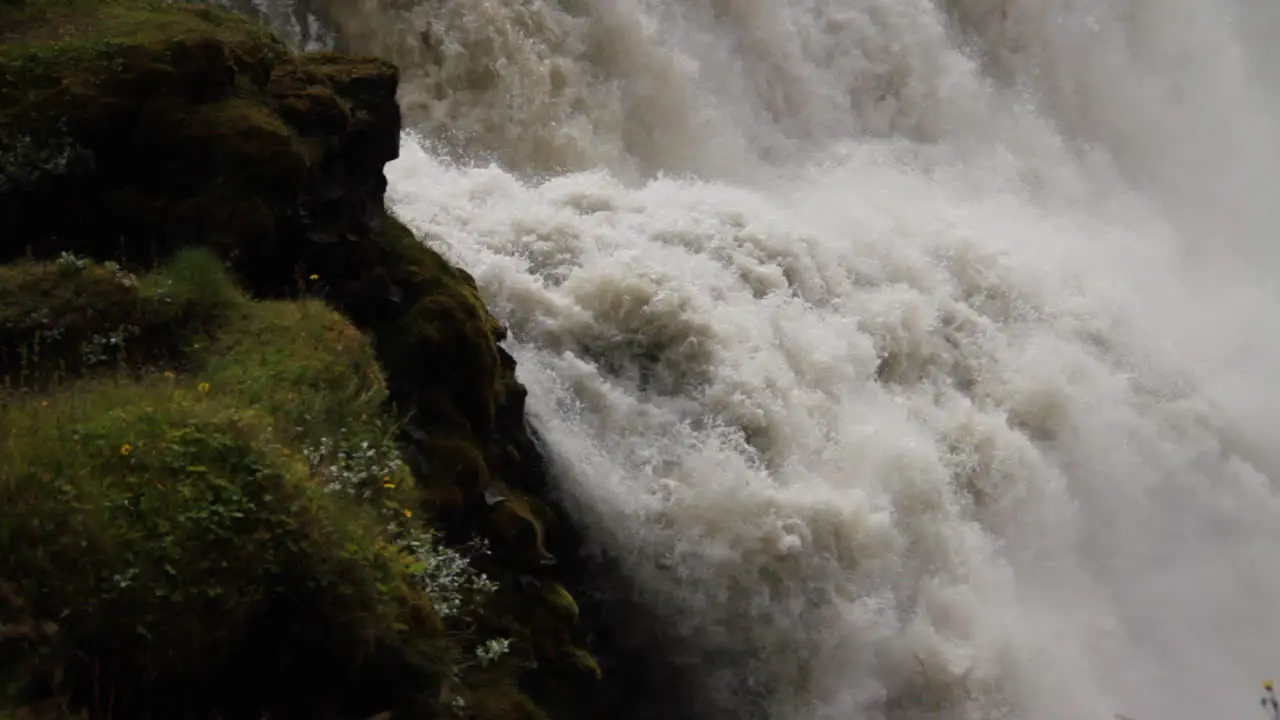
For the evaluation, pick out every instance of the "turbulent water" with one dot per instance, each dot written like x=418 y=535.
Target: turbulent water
x=915 y=359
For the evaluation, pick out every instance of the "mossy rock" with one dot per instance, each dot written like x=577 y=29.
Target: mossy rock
x=186 y=516
x=516 y=529
x=168 y=125
x=94 y=101
x=132 y=129
x=559 y=599
x=325 y=376
x=70 y=316
x=171 y=534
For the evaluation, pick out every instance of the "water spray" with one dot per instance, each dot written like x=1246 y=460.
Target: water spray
x=1269 y=703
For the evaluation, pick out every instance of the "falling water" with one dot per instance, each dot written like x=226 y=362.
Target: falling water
x=913 y=359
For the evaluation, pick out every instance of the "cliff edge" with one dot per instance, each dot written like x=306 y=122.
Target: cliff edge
x=261 y=453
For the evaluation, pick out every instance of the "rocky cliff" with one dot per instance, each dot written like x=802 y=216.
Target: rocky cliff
x=261 y=453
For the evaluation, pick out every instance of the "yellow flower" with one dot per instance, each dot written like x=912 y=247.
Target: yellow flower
x=389 y=485
x=314 y=276
x=125 y=449
x=203 y=387
x=408 y=513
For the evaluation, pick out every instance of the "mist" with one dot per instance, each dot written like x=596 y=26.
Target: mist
x=913 y=359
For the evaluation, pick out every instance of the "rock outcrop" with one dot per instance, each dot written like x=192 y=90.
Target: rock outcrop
x=136 y=133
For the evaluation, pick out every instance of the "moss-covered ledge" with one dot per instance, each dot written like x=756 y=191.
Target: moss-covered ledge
x=132 y=131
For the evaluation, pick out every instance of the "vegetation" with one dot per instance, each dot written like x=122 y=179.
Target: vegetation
x=160 y=527
x=261 y=453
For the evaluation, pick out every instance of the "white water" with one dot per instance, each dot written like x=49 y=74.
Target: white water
x=916 y=358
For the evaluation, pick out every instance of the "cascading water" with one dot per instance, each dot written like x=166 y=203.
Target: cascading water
x=913 y=358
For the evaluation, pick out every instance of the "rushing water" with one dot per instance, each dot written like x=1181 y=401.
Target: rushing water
x=914 y=359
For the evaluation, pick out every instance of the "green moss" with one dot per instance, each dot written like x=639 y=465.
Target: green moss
x=65 y=317
x=440 y=345
x=301 y=363
x=443 y=360
x=132 y=90
x=158 y=525
x=153 y=491
x=55 y=54
x=331 y=454
x=516 y=530
x=189 y=528
x=560 y=599
x=586 y=663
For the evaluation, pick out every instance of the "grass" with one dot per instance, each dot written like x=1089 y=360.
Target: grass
x=64 y=65
x=171 y=527
x=36 y=23
x=156 y=426
x=68 y=316
x=53 y=51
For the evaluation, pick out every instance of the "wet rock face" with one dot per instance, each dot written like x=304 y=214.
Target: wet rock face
x=131 y=130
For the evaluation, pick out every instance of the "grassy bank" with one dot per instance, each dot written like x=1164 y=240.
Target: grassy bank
x=275 y=460
x=199 y=488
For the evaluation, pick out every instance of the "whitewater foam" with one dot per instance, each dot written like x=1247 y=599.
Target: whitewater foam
x=911 y=357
